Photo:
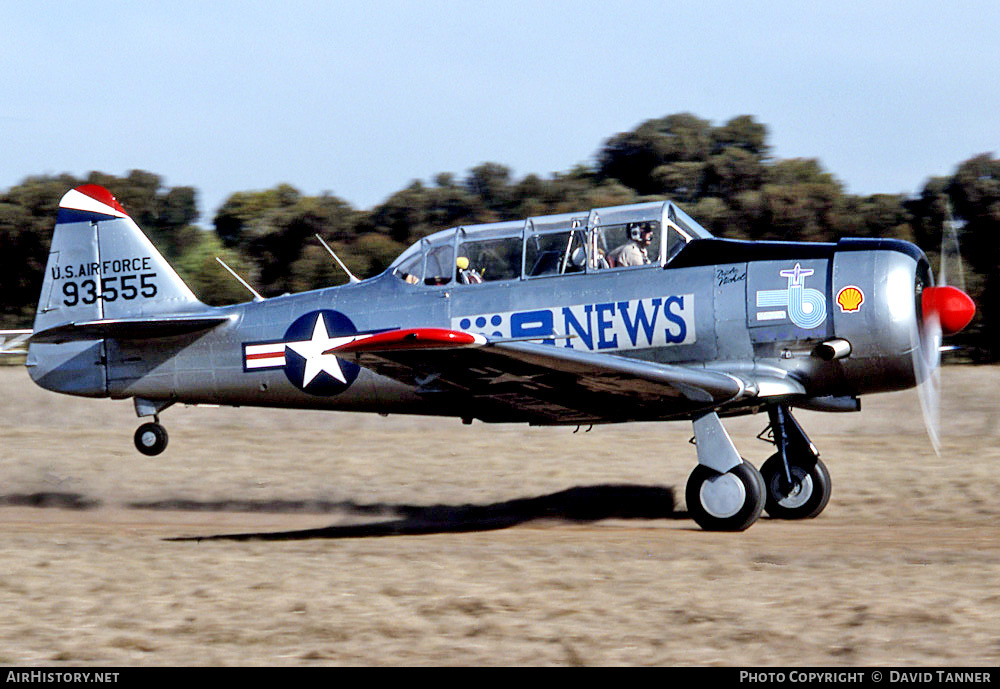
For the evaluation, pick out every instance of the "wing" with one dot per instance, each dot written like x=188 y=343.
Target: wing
x=539 y=383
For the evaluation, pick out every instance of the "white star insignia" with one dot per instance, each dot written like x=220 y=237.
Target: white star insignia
x=312 y=351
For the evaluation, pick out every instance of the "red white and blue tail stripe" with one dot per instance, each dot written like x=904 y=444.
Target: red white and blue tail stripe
x=88 y=203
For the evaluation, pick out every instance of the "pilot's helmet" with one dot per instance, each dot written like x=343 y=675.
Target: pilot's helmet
x=637 y=229
x=462 y=262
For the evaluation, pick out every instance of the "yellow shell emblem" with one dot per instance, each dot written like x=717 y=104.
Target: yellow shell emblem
x=850 y=299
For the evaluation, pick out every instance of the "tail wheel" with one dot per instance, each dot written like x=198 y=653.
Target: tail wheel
x=151 y=439
x=808 y=493
x=725 y=502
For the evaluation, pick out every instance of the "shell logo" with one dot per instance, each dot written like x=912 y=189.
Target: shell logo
x=850 y=299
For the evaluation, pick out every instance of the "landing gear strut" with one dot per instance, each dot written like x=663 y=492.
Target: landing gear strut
x=724 y=492
x=797 y=483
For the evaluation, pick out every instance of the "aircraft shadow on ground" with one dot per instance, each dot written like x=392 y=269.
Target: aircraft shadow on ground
x=580 y=504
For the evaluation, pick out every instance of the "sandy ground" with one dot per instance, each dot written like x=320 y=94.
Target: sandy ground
x=419 y=541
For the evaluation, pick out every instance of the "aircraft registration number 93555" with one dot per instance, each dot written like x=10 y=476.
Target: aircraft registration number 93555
x=125 y=286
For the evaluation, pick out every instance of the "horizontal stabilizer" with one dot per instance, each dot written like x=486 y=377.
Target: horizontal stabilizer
x=128 y=328
x=13 y=341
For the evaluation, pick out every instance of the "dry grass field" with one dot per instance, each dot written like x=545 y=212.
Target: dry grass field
x=415 y=541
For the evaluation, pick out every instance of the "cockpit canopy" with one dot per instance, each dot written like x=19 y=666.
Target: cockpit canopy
x=620 y=237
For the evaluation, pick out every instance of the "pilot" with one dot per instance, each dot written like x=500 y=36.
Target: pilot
x=466 y=275
x=634 y=252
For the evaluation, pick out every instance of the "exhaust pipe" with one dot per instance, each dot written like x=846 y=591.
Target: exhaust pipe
x=830 y=350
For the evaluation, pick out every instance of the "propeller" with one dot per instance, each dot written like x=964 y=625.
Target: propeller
x=925 y=343
x=945 y=310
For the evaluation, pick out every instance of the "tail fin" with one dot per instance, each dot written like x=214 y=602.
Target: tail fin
x=102 y=266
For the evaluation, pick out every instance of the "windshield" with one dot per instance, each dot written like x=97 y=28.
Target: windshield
x=430 y=261
x=687 y=224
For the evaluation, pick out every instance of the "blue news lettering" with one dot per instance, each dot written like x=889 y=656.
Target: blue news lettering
x=574 y=327
x=632 y=326
x=612 y=325
x=604 y=323
x=676 y=318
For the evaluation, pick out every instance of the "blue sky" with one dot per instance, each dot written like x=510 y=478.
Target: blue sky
x=361 y=98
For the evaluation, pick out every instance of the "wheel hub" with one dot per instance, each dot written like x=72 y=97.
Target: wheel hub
x=722 y=496
x=798 y=493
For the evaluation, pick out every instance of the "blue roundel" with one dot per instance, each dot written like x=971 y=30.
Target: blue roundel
x=306 y=367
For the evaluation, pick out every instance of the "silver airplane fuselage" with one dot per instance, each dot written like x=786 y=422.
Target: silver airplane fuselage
x=710 y=311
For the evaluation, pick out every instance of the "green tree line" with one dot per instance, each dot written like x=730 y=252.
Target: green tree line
x=723 y=175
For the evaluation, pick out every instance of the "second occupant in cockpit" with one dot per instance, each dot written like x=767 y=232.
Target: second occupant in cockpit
x=634 y=252
x=466 y=275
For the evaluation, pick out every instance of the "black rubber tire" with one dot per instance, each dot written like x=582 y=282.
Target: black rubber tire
x=812 y=475
x=151 y=439
x=748 y=513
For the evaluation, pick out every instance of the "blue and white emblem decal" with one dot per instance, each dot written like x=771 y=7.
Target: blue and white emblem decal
x=806 y=307
x=617 y=325
x=300 y=353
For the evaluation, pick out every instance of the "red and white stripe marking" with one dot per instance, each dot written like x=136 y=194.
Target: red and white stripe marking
x=264 y=355
x=92 y=198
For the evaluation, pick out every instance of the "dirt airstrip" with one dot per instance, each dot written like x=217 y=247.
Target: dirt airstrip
x=404 y=540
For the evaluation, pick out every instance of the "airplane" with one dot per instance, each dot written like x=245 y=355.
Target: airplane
x=549 y=321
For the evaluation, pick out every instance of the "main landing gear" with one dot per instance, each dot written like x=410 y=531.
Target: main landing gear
x=727 y=493
x=150 y=438
x=798 y=483
x=724 y=492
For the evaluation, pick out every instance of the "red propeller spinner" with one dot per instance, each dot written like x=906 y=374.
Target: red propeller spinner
x=953 y=307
